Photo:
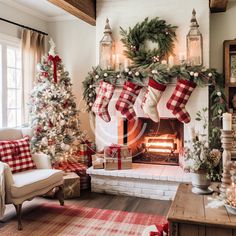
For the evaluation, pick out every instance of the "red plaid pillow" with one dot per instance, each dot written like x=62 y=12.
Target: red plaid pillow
x=17 y=155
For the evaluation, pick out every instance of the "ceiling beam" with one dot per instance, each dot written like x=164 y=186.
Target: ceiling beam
x=82 y=9
x=218 y=5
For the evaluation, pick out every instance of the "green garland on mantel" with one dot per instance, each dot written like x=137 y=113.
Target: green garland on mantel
x=162 y=74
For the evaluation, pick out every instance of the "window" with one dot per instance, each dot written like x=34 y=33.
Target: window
x=10 y=82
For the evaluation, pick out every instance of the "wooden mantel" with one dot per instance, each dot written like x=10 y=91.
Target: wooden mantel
x=218 y=5
x=83 y=9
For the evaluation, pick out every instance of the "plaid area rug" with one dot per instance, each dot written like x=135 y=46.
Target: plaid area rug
x=73 y=220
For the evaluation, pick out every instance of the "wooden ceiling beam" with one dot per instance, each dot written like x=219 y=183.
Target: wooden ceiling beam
x=82 y=9
x=218 y=5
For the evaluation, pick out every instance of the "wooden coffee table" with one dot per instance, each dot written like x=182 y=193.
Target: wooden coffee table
x=188 y=216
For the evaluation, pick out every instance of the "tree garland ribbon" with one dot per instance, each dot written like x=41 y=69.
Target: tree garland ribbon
x=54 y=60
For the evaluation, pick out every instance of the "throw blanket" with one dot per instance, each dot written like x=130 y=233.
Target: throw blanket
x=2 y=191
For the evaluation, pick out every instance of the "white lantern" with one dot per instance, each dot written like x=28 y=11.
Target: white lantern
x=106 y=48
x=194 y=43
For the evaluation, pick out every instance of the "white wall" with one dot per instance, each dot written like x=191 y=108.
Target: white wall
x=20 y=17
x=222 y=28
x=75 y=42
x=176 y=12
x=127 y=14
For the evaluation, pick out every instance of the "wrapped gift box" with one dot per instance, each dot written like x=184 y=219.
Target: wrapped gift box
x=117 y=157
x=71 y=185
x=78 y=168
x=98 y=161
x=86 y=150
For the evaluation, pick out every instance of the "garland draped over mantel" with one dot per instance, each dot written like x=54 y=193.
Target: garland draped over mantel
x=147 y=63
x=161 y=73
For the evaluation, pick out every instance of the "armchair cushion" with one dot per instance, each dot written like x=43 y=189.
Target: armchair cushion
x=17 y=154
x=42 y=161
x=30 y=181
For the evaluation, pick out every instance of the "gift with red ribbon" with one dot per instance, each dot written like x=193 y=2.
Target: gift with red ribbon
x=54 y=60
x=117 y=157
x=115 y=152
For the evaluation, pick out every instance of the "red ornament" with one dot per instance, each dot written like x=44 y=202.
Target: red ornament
x=45 y=74
x=38 y=129
x=51 y=142
x=54 y=60
x=50 y=124
x=65 y=105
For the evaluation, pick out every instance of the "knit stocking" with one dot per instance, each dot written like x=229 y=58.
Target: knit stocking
x=127 y=99
x=179 y=99
x=100 y=106
x=152 y=98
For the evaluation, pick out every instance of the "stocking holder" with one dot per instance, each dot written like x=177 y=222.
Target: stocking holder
x=227 y=137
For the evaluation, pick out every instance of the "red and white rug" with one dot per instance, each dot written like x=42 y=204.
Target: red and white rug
x=73 y=220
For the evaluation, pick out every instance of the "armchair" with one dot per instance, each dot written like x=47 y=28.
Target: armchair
x=23 y=186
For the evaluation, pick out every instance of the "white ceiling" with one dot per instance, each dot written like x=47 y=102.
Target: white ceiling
x=40 y=8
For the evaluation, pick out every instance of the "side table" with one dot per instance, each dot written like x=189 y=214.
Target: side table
x=188 y=216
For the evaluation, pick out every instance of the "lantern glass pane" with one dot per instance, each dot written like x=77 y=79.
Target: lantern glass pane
x=105 y=60
x=194 y=50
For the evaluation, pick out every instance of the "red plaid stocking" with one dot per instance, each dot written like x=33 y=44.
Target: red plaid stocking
x=127 y=99
x=152 y=98
x=179 y=99
x=100 y=106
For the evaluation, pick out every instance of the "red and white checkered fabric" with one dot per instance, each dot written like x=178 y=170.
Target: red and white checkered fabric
x=179 y=99
x=104 y=95
x=152 y=98
x=78 y=168
x=69 y=166
x=127 y=99
x=17 y=155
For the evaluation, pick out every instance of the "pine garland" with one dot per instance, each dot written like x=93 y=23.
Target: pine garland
x=155 y=30
x=162 y=74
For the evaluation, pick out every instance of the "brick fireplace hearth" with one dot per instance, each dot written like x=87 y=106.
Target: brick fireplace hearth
x=144 y=180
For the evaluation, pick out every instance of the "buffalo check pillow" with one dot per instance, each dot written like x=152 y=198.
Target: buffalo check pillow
x=17 y=154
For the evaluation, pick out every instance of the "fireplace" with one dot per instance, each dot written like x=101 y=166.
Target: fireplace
x=151 y=142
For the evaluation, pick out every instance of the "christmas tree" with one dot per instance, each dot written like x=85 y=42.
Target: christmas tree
x=54 y=117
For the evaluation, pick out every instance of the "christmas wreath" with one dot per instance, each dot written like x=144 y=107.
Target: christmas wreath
x=156 y=31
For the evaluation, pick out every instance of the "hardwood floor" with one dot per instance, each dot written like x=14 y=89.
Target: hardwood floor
x=97 y=200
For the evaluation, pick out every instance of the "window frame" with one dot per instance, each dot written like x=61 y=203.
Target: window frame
x=5 y=41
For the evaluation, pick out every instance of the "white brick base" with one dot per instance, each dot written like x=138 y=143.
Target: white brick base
x=147 y=181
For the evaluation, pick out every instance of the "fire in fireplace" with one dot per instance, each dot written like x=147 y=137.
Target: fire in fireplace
x=150 y=142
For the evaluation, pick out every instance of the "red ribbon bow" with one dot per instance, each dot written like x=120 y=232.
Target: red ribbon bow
x=54 y=60
x=113 y=149
x=152 y=233
x=161 y=229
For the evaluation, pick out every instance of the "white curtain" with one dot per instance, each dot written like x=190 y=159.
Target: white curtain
x=33 y=48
